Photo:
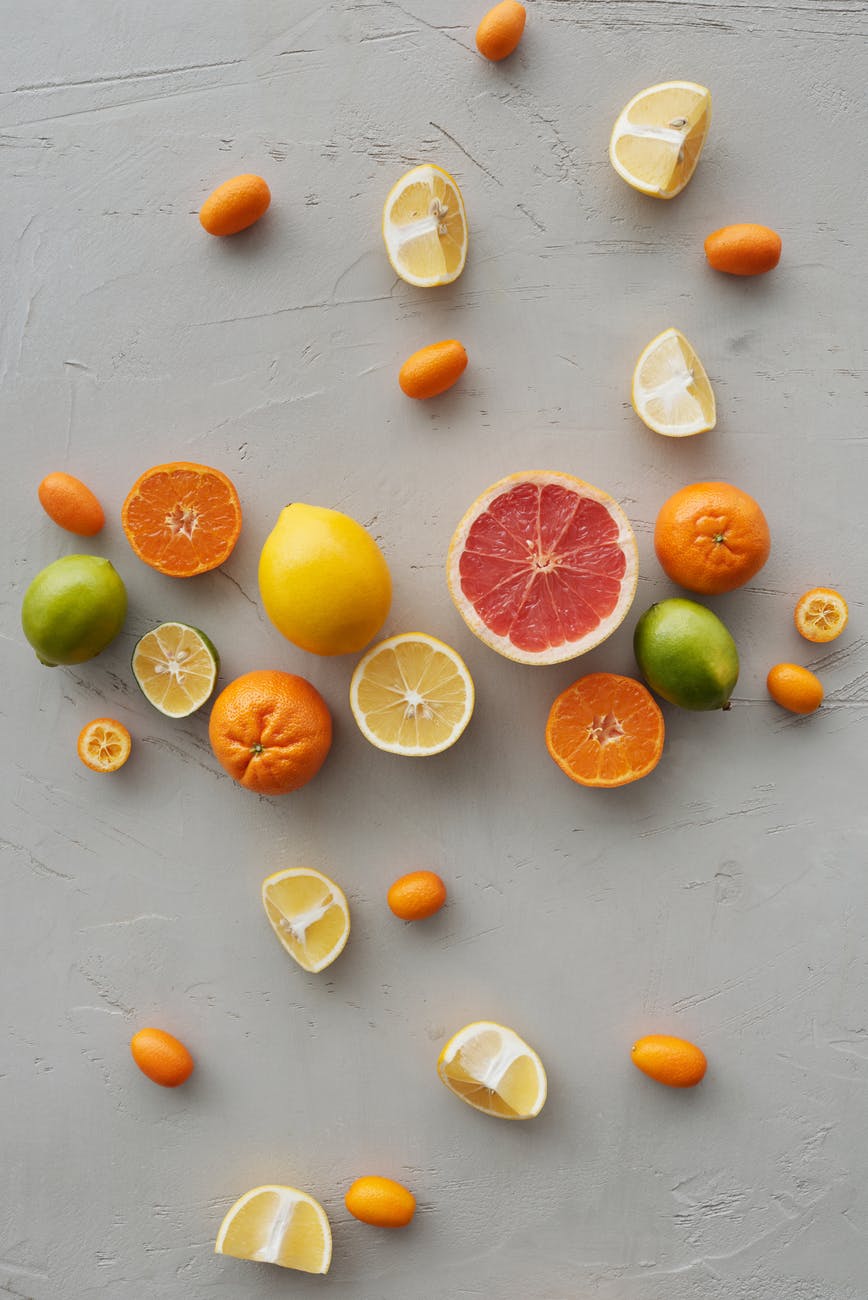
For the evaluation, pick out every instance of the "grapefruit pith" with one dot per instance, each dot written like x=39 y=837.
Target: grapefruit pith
x=543 y=567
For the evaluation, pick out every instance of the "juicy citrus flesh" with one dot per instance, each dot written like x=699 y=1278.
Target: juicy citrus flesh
x=176 y=667
x=425 y=227
x=494 y=1070
x=657 y=139
x=182 y=518
x=605 y=731
x=543 y=567
x=671 y=391
x=104 y=745
x=309 y=914
x=412 y=695
x=821 y=615
x=380 y=1201
x=711 y=537
x=277 y=1225
x=669 y=1060
x=795 y=688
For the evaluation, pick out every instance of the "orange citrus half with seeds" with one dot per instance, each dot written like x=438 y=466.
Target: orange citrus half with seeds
x=605 y=731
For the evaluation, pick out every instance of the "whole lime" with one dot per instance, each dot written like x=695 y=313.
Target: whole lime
x=686 y=654
x=73 y=609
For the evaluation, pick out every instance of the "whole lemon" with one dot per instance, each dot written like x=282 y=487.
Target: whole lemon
x=324 y=581
x=73 y=609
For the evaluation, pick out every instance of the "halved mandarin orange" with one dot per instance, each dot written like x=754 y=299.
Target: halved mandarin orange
x=182 y=518
x=605 y=730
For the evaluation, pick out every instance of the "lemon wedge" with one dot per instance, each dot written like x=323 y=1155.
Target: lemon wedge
x=493 y=1069
x=671 y=391
x=412 y=695
x=658 y=137
x=425 y=227
x=309 y=914
x=277 y=1225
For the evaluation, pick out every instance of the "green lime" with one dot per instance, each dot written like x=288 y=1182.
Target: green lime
x=73 y=609
x=686 y=654
x=176 y=667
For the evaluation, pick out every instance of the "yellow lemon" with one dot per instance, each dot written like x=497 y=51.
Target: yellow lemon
x=658 y=137
x=277 y=1225
x=425 y=227
x=671 y=392
x=309 y=914
x=493 y=1069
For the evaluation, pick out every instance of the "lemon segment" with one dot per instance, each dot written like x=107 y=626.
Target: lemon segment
x=671 y=391
x=493 y=1069
x=412 y=695
x=277 y=1225
x=309 y=914
x=657 y=139
x=425 y=227
x=176 y=668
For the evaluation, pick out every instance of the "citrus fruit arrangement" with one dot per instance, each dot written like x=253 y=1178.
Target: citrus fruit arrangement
x=542 y=568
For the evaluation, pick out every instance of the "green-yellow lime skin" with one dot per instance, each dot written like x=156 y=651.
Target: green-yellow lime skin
x=686 y=654
x=324 y=581
x=73 y=609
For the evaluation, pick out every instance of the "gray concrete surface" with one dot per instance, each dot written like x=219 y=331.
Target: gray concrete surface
x=722 y=899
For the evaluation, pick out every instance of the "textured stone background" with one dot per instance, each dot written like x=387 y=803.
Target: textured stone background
x=723 y=899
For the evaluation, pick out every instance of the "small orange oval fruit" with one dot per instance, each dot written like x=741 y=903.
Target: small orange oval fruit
x=160 y=1056
x=432 y=370
x=501 y=30
x=821 y=615
x=71 y=504
x=746 y=249
x=795 y=688
x=417 y=895
x=235 y=205
x=104 y=745
x=672 y=1061
x=381 y=1202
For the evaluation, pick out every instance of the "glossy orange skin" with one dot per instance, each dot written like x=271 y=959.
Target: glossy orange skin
x=71 y=504
x=380 y=1202
x=795 y=688
x=170 y=492
x=672 y=1061
x=433 y=369
x=711 y=538
x=501 y=30
x=235 y=205
x=744 y=249
x=417 y=895
x=271 y=731
x=163 y=1058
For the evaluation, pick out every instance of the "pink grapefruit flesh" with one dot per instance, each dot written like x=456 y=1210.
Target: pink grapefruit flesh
x=543 y=567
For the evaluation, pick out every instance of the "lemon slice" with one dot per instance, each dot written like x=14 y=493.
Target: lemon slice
x=425 y=227
x=671 y=391
x=176 y=667
x=309 y=914
x=657 y=139
x=277 y=1225
x=411 y=694
x=494 y=1070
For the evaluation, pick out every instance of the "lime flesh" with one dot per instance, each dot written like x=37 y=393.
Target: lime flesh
x=686 y=654
x=176 y=668
x=73 y=609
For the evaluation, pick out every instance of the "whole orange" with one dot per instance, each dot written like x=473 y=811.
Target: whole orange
x=381 y=1202
x=433 y=369
x=417 y=895
x=160 y=1056
x=271 y=731
x=711 y=538
x=71 y=504
x=235 y=205
x=746 y=249
x=795 y=688
x=501 y=30
x=669 y=1060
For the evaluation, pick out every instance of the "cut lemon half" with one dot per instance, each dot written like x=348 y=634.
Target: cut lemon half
x=658 y=137
x=425 y=227
x=277 y=1225
x=671 y=391
x=821 y=615
x=494 y=1070
x=104 y=745
x=176 y=668
x=309 y=914
x=412 y=694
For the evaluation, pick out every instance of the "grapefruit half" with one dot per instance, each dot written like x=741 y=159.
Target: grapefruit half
x=543 y=567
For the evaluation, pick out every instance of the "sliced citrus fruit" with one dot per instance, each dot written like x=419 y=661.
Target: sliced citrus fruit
x=671 y=391
x=412 y=694
x=104 y=745
x=176 y=667
x=821 y=614
x=605 y=730
x=277 y=1225
x=658 y=137
x=493 y=1070
x=182 y=519
x=309 y=914
x=425 y=227
x=543 y=567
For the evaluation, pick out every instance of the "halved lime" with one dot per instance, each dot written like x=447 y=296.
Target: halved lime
x=176 y=667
